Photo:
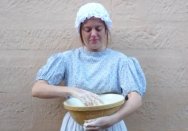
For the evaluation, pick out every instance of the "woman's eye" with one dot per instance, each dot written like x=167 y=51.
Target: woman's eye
x=98 y=29
x=87 y=29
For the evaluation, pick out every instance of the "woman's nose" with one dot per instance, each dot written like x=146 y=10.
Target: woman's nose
x=93 y=32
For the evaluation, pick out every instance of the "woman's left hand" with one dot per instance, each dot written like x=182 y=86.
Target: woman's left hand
x=98 y=123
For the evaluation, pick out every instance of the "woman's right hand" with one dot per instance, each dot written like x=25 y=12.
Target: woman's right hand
x=42 y=89
x=87 y=97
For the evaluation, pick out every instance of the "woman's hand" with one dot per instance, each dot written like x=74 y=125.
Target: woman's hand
x=42 y=89
x=130 y=106
x=88 y=98
x=98 y=123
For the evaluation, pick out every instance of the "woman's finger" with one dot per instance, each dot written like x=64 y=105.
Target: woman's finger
x=88 y=127
x=90 y=99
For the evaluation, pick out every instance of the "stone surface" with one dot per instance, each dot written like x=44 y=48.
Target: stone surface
x=154 y=31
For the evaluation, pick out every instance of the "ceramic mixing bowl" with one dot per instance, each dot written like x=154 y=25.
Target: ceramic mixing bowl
x=80 y=112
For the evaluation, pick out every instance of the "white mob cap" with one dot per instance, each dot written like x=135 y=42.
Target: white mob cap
x=92 y=10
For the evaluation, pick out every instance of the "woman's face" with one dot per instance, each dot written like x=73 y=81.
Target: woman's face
x=94 y=34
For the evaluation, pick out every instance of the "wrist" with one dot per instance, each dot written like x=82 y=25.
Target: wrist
x=71 y=91
x=113 y=119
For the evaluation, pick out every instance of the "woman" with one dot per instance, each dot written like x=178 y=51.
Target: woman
x=91 y=70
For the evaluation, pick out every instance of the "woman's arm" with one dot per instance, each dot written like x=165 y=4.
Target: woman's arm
x=130 y=106
x=42 y=89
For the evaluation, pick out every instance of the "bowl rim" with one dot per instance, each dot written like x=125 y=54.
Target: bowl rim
x=94 y=108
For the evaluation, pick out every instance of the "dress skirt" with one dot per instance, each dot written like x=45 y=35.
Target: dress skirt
x=69 y=124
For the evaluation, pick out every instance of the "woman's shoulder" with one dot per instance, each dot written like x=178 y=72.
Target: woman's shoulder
x=118 y=54
x=121 y=56
x=64 y=54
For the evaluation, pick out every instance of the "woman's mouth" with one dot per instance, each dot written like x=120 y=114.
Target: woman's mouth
x=94 y=40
